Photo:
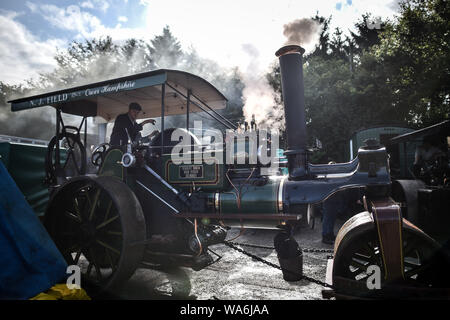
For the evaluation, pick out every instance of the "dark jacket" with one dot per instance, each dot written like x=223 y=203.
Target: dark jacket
x=119 y=135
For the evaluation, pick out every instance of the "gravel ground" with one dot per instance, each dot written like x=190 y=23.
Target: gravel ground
x=236 y=276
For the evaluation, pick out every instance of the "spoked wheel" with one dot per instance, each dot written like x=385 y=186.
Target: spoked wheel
x=72 y=154
x=98 y=155
x=357 y=247
x=98 y=224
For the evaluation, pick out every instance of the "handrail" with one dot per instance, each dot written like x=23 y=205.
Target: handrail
x=334 y=168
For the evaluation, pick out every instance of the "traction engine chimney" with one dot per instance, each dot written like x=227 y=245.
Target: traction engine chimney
x=291 y=68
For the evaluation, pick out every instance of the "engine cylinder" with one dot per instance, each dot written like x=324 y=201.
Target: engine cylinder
x=253 y=206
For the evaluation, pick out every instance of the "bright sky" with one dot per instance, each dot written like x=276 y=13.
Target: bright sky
x=220 y=30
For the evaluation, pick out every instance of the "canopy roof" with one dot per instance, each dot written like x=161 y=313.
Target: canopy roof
x=107 y=99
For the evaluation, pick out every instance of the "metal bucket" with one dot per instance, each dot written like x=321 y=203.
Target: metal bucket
x=290 y=257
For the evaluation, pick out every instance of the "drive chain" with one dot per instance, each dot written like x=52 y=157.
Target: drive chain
x=309 y=250
x=233 y=246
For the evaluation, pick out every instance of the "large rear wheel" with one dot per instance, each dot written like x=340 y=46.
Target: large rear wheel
x=97 y=223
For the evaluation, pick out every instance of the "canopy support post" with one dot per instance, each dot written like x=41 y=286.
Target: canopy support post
x=163 y=94
x=85 y=133
x=204 y=110
x=58 y=128
x=187 y=108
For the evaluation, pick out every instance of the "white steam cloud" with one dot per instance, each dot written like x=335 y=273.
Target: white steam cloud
x=304 y=32
x=260 y=100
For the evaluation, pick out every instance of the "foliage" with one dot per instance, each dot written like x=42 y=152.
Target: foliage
x=102 y=59
x=398 y=74
x=165 y=50
x=416 y=53
x=37 y=123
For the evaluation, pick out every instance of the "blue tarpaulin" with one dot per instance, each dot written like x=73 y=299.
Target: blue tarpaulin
x=30 y=263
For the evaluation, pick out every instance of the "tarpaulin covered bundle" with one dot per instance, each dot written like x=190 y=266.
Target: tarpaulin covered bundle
x=30 y=263
x=62 y=292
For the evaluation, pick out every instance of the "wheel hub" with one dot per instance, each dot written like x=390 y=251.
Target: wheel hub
x=89 y=231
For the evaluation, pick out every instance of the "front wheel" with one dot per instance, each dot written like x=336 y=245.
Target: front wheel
x=357 y=247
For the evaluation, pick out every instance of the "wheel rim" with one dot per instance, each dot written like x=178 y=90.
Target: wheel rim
x=92 y=230
x=421 y=260
x=73 y=162
x=98 y=155
x=417 y=259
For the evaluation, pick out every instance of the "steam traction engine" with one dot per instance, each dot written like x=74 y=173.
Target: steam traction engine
x=140 y=209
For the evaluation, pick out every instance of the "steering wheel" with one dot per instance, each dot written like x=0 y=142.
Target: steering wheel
x=168 y=143
x=72 y=154
x=98 y=154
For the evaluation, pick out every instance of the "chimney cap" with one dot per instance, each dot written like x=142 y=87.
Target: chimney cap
x=289 y=49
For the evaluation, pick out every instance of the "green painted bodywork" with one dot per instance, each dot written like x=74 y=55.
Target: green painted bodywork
x=111 y=165
x=26 y=165
x=185 y=176
x=253 y=199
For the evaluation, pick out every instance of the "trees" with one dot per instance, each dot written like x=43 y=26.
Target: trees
x=330 y=92
x=101 y=59
x=323 y=47
x=396 y=74
x=96 y=60
x=328 y=100
x=399 y=73
x=416 y=53
x=366 y=37
x=37 y=124
x=165 y=50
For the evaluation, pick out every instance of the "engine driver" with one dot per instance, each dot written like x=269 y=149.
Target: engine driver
x=127 y=121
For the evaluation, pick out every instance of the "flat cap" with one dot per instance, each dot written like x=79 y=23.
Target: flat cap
x=135 y=106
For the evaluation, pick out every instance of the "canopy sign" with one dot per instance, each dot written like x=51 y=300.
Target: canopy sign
x=86 y=93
